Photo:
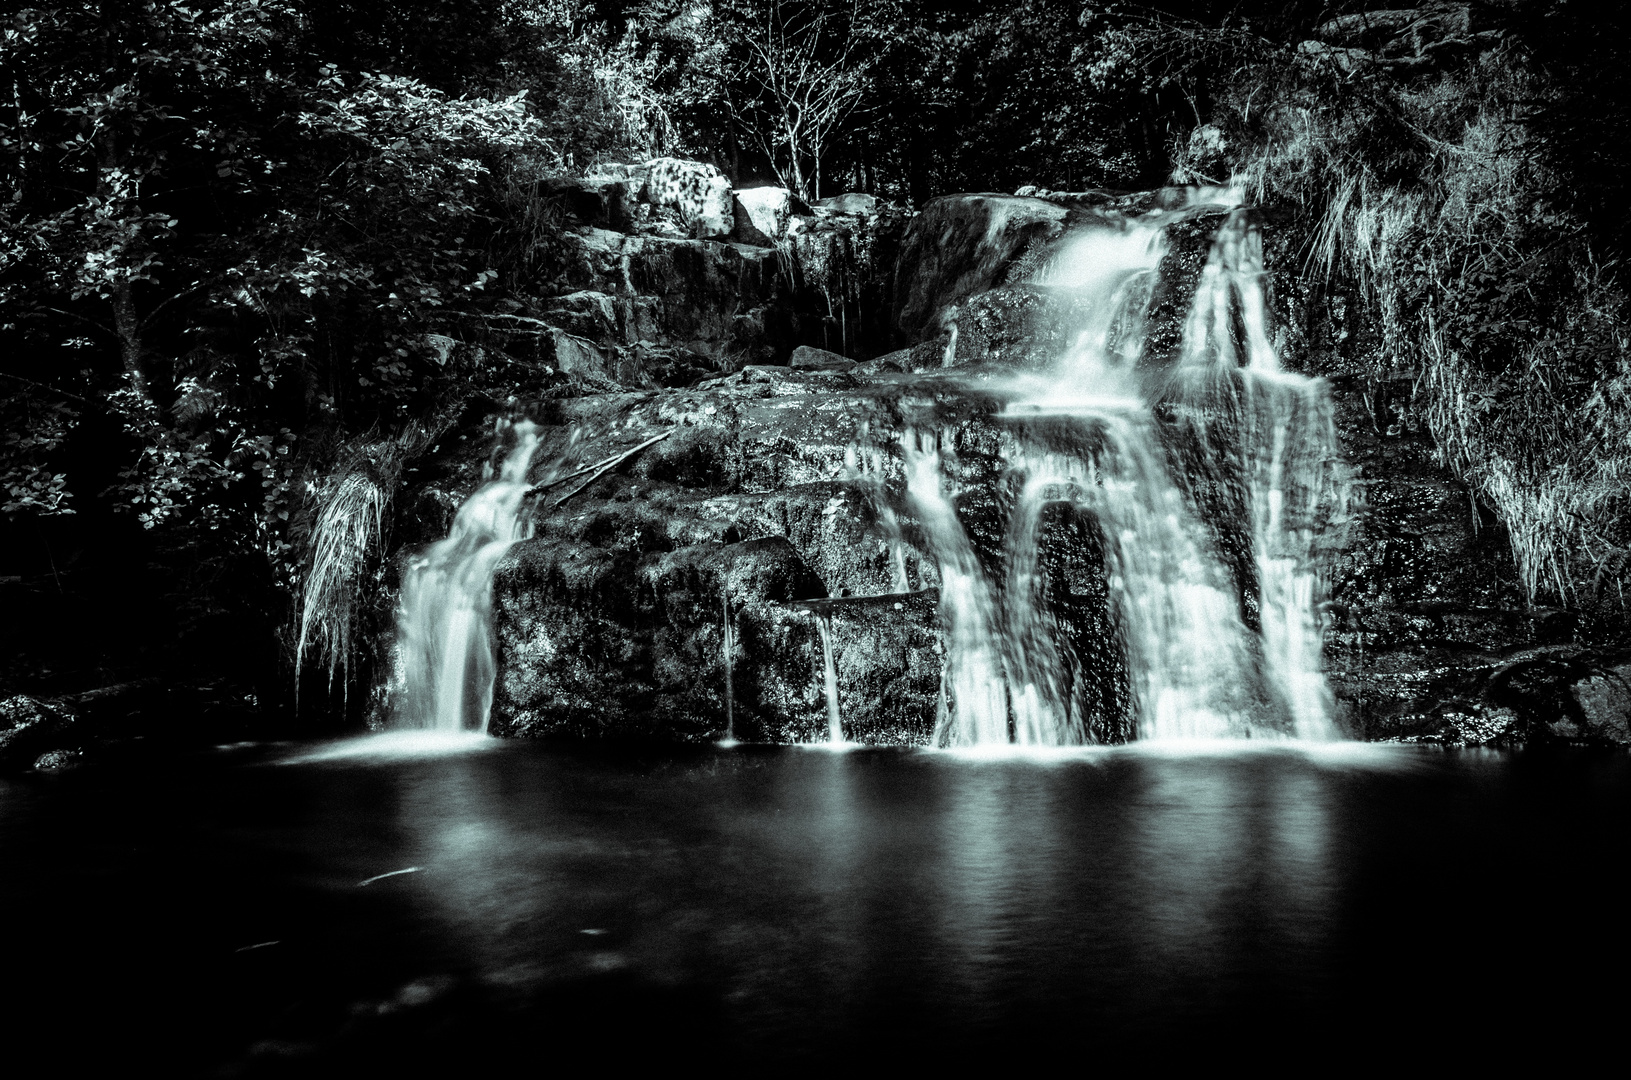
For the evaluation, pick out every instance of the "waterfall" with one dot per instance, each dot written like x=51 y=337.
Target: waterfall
x=1286 y=458
x=728 y=649
x=1084 y=434
x=444 y=626
x=976 y=690
x=829 y=678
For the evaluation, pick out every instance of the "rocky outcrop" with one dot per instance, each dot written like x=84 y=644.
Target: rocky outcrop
x=664 y=277
x=758 y=510
x=1405 y=41
x=699 y=193
x=53 y=733
x=30 y=729
x=611 y=619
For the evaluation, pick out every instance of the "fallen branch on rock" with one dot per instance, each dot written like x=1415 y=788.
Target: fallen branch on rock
x=597 y=469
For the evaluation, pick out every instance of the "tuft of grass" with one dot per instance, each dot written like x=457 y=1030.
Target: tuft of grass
x=345 y=540
x=344 y=549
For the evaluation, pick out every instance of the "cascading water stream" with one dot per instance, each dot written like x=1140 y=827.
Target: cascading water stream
x=728 y=651
x=1044 y=712
x=974 y=684
x=444 y=627
x=1286 y=456
x=829 y=678
x=1195 y=667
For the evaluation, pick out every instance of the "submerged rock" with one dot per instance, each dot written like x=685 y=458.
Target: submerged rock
x=1605 y=704
x=55 y=760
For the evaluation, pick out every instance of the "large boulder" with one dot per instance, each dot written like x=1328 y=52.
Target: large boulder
x=610 y=620
x=762 y=214
x=700 y=193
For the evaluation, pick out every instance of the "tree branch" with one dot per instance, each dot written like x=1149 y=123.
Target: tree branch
x=46 y=387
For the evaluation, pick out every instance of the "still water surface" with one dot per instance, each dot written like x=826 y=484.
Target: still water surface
x=243 y=911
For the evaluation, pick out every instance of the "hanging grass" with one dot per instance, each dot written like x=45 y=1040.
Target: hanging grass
x=344 y=549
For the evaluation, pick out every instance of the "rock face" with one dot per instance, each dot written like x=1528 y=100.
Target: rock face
x=772 y=506
x=963 y=245
x=611 y=620
x=975 y=272
x=665 y=277
x=756 y=509
x=1429 y=637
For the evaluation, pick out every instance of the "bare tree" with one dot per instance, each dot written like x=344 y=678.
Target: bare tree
x=809 y=65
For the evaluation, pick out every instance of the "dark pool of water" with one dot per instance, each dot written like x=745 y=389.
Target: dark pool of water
x=214 y=912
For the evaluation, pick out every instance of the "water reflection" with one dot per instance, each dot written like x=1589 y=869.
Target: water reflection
x=1000 y=849
x=813 y=875
x=765 y=901
x=810 y=896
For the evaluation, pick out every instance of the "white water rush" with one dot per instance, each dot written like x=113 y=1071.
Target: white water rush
x=1216 y=489
x=444 y=628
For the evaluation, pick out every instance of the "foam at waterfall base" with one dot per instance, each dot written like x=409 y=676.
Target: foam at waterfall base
x=1334 y=754
x=396 y=746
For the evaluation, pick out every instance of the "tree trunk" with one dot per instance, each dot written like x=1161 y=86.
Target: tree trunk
x=127 y=326
x=799 y=187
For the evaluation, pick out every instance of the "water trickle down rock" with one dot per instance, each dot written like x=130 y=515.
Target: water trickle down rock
x=444 y=647
x=1267 y=443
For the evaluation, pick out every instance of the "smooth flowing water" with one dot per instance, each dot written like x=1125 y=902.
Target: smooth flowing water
x=1249 y=447
x=829 y=679
x=444 y=663
x=424 y=903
